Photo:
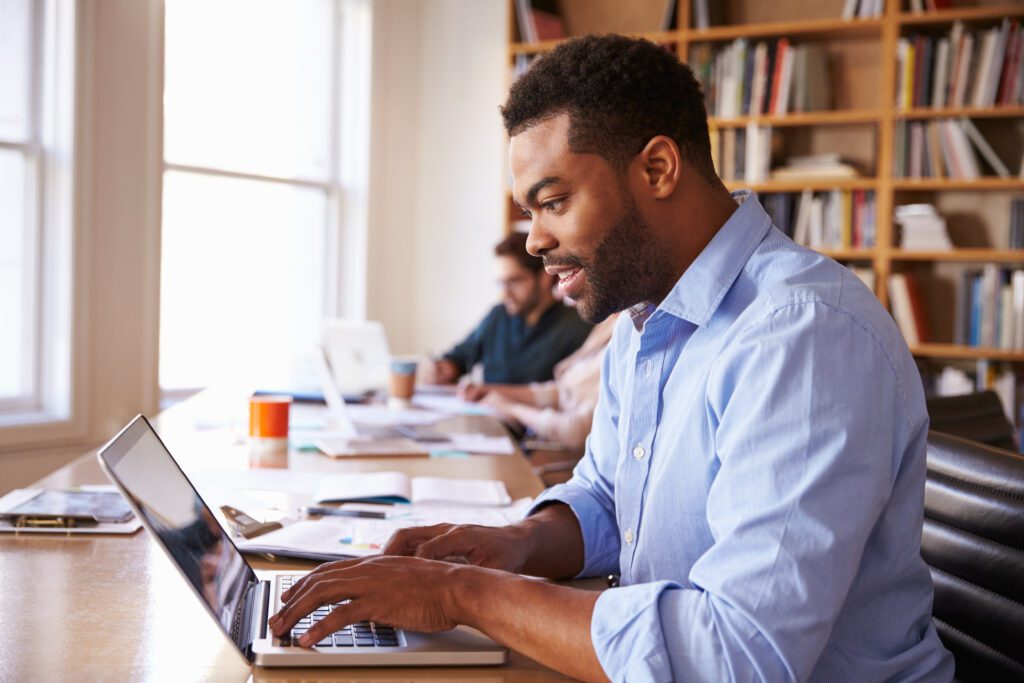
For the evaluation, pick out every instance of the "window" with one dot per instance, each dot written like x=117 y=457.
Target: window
x=254 y=192
x=36 y=158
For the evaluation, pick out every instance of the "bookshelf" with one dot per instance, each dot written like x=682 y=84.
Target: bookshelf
x=862 y=126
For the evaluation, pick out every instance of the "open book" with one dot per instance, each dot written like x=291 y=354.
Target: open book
x=395 y=487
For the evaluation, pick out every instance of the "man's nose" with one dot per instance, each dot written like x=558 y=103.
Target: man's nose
x=540 y=240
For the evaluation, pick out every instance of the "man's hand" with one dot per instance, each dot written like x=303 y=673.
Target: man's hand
x=507 y=548
x=547 y=543
x=472 y=392
x=403 y=592
x=440 y=371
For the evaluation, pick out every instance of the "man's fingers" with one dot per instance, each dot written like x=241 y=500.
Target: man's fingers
x=406 y=541
x=456 y=542
x=321 y=590
x=340 y=616
x=326 y=567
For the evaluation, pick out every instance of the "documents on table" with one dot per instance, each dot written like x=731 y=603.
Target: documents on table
x=333 y=538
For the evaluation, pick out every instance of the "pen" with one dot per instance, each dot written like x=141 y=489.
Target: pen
x=341 y=512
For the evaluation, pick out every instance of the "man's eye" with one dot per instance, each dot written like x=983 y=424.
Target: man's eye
x=553 y=205
x=525 y=213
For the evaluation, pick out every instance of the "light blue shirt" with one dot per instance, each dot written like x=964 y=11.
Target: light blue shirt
x=755 y=473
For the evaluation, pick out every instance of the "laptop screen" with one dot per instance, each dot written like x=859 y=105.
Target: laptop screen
x=182 y=523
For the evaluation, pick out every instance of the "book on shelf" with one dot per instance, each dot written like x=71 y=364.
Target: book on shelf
x=539 y=20
x=707 y=13
x=980 y=68
x=1016 y=234
x=908 y=308
x=862 y=9
x=922 y=228
x=835 y=219
x=943 y=148
x=742 y=153
x=815 y=167
x=768 y=77
x=990 y=308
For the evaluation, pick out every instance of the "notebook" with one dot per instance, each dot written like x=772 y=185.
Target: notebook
x=163 y=498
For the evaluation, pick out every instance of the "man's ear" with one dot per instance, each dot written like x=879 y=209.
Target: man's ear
x=661 y=165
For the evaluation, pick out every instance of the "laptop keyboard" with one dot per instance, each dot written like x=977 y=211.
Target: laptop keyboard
x=361 y=634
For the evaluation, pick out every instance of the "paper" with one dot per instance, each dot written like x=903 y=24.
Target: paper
x=481 y=443
x=397 y=487
x=450 y=405
x=383 y=416
x=369 y=446
x=332 y=538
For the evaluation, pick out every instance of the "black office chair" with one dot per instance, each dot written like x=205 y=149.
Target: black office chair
x=973 y=542
x=979 y=417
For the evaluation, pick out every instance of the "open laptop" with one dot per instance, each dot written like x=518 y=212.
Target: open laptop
x=138 y=462
x=346 y=426
x=358 y=353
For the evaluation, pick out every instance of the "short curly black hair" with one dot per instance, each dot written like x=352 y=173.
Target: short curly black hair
x=619 y=93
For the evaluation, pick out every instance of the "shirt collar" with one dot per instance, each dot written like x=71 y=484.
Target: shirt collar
x=697 y=294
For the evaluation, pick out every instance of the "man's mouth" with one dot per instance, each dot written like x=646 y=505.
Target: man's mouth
x=569 y=279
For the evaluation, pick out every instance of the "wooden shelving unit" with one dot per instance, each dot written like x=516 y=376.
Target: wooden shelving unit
x=815 y=118
x=1011 y=256
x=873 y=109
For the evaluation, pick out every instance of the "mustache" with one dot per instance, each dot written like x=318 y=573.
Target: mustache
x=570 y=260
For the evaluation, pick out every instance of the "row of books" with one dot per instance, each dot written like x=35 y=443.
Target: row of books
x=928 y=5
x=990 y=308
x=907 y=302
x=742 y=153
x=834 y=219
x=863 y=9
x=976 y=69
x=770 y=77
x=943 y=148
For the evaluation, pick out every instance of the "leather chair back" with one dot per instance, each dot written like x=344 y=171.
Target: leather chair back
x=979 y=417
x=973 y=542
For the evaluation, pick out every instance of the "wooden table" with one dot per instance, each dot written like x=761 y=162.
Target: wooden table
x=91 y=608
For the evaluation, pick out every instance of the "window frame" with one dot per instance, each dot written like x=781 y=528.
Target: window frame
x=52 y=411
x=344 y=187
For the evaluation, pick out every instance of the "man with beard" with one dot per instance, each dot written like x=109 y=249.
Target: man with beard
x=755 y=470
x=521 y=339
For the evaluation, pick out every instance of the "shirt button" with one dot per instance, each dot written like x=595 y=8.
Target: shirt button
x=639 y=452
x=628 y=536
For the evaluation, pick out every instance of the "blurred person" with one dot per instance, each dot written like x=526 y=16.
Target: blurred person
x=522 y=338
x=561 y=410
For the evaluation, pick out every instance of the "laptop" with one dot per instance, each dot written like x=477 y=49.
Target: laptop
x=397 y=434
x=358 y=354
x=167 y=504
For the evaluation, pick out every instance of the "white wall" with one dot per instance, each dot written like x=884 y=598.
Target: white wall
x=437 y=178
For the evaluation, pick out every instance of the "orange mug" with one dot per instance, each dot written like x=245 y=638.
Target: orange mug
x=268 y=421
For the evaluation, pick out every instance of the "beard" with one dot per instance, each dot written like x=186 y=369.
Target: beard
x=628 y=267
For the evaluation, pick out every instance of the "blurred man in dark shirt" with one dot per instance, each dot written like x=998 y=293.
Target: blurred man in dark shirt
x=522 y=338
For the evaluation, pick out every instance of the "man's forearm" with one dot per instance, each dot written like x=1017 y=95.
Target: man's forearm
x=554 y=543
x=546 y=622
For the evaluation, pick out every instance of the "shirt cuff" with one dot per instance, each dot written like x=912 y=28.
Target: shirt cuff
x=627 y=634
x=600 y=532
